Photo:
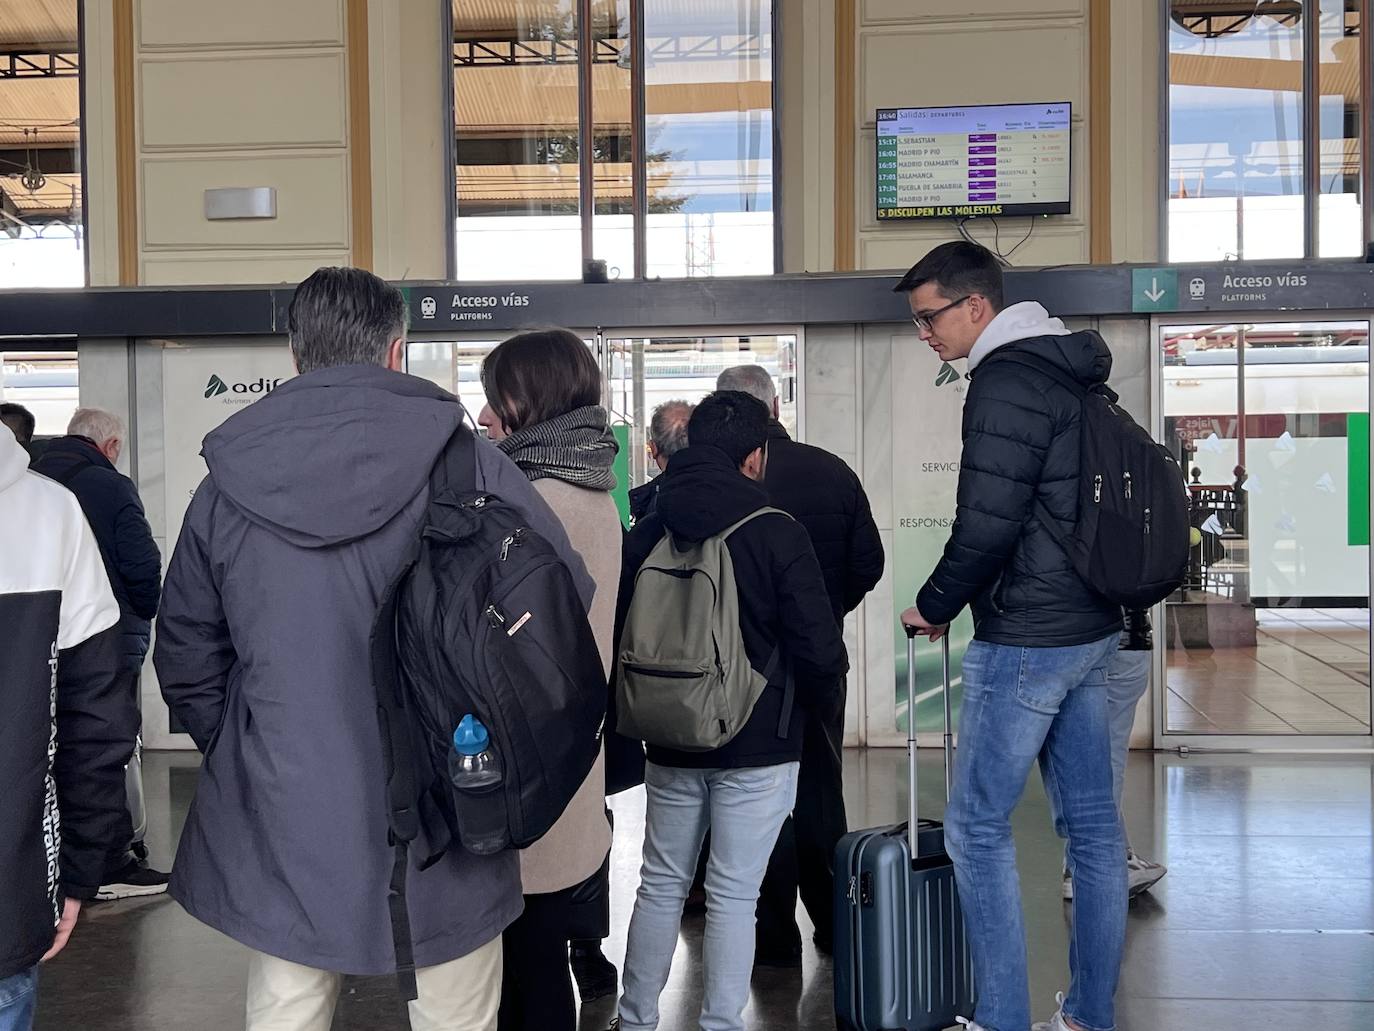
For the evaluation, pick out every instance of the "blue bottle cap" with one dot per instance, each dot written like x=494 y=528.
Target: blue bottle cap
x=470 y=737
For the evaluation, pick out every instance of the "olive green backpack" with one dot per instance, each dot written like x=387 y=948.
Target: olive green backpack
x=683 y=679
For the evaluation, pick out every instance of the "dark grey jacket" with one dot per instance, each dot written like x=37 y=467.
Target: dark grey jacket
x=314 y=496
x=1021 y=444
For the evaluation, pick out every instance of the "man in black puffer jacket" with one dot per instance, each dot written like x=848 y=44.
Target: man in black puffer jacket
x=821 y=492
x=1035 y=676
x=83 y=462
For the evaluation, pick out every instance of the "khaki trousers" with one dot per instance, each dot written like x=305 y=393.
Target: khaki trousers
x=463 y=995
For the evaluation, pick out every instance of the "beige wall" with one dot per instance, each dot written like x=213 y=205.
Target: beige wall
x=967 y=52
x=256 y=93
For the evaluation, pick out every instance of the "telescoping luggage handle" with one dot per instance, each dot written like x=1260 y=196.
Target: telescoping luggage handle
x=912 y=815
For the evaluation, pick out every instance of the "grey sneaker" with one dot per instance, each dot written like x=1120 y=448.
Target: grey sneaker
x=1141 y=874
x=1056 y=1022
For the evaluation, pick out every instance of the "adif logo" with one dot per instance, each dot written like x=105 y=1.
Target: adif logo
x=947 y=374
x=247 y=392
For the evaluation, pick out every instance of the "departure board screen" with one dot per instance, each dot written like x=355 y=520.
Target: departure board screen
x=958 y=162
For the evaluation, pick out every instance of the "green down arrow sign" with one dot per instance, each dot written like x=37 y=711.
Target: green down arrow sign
x=1154 y=289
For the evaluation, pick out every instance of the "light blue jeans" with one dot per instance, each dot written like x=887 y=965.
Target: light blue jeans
x=744 y=810
x=1128 y=677
x=1020 y=705
x=18 y=1000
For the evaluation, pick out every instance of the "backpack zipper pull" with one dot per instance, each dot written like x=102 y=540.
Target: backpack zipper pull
x=1127 y=478
x=513 y=541
x=494 y=617
x=1097 y=488
x=1147 y=522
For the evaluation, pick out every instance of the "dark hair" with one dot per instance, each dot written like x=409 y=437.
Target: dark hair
x=344 y=316
x=13 y=413
x=958 y=269
x=535 y=377
x=731 y=420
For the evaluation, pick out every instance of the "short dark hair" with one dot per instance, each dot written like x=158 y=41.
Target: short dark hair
x=535 y=377
x=20 y=419
x=344 y=316
x=731 y=420
x=957 y=269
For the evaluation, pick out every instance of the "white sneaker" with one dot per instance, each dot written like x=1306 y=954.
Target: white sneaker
x=965 y=1022
x=1056 y=1022
x=1141 y=874
x=1066 y=886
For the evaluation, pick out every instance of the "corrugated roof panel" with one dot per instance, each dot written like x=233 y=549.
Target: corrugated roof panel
x=37 y=23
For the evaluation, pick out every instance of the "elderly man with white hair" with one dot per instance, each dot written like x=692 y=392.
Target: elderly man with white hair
x=84 y=462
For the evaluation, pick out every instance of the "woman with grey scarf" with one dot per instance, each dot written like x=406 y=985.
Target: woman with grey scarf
x=544 y=410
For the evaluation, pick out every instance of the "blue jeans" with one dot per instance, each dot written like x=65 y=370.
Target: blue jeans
x=744 y=810
x=1020 y=705
x=18 y=999
x=1128 y=677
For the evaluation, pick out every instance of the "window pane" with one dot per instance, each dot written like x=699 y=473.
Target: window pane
x=40 y=166
x=1235 y=131
x=1340 y=225
x=1270 y=632
x=709 y=137
x=515 y=126
x=613 y=221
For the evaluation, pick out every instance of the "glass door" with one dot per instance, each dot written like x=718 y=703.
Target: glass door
x=1270 y=635
x=644 y=371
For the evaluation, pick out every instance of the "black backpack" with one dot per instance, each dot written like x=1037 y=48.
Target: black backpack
x=1130 y=543
x=484 y=618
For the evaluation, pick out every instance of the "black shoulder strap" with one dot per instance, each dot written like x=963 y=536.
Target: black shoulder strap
x=1049 y=368
x=1055 y=372
x=789 y=690
x=456 y=466
x=403 y=819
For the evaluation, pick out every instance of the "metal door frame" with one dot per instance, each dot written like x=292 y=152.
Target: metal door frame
x=1287 y=743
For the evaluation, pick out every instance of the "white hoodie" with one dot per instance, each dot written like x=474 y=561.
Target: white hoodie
x=1018 y=322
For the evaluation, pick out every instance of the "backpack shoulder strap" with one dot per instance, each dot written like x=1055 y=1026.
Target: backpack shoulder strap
x=456 y=466
x=1044 y=365
x=1034 y=361
x=789 y=685
x=403 y=819
x=749 y=519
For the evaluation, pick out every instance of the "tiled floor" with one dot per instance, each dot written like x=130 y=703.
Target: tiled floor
x=1266 y=919
x=1307 y=674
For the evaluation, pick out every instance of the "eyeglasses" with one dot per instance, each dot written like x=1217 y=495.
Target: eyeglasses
x=926 y=323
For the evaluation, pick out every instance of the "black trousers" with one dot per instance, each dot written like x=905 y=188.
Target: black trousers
x=537 y=985
x=119 y=857
x=803 y=859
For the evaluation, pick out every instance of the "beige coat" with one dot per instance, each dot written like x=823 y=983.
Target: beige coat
x=574 y=849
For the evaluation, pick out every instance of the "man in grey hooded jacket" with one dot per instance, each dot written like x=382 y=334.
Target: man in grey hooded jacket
x=314 y=495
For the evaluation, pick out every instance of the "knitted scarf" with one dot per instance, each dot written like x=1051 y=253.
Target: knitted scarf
x=577 y=447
